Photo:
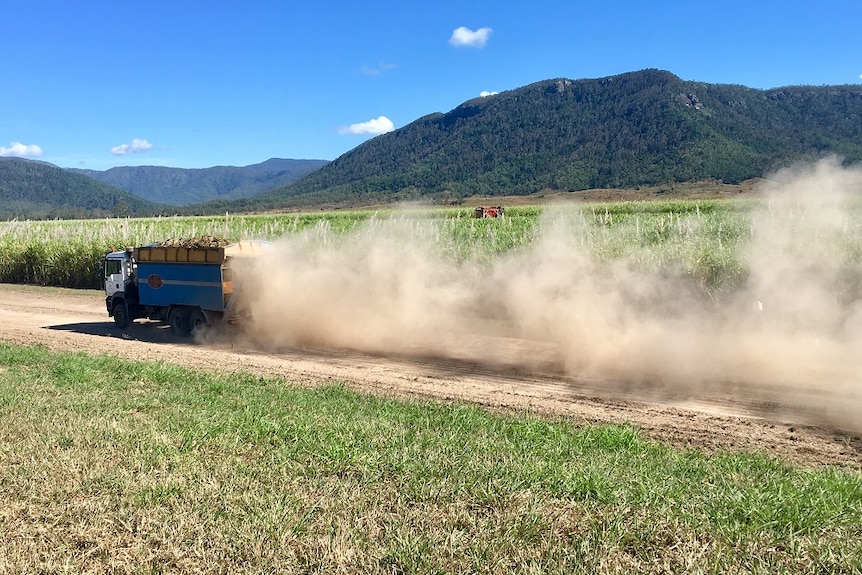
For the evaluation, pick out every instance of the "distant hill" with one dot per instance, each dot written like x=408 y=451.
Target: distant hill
x=37 y=190
x=633 y=129
x=180 y=186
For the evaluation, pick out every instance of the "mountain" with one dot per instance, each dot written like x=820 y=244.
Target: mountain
x=37 y=190
x=179 y=186
x=639 y=128
x=632 y=129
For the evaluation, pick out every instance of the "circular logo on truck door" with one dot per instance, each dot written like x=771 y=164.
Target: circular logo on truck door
x=155 y=281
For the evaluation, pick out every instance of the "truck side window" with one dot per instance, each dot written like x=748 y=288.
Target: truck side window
x=112 y=267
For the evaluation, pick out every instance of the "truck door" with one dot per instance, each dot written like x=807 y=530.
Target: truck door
x=115 y=274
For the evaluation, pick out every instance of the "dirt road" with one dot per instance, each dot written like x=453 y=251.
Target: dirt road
x=728 y=416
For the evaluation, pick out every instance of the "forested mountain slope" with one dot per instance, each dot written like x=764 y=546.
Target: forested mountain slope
x=633 y=129
x=181 y=186
x=37 y=190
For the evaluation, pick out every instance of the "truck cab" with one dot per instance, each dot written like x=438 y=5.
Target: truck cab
x=119 y=267
x=119 y=276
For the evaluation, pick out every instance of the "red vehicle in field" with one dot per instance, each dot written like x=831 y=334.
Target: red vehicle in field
x=490 y=212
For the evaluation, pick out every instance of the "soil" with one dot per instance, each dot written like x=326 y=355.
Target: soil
x=706 y=190
x=731 y=419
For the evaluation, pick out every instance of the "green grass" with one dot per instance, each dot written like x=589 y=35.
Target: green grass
x=113 y=466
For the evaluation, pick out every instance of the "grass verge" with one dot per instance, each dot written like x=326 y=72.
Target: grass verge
x=121 y=467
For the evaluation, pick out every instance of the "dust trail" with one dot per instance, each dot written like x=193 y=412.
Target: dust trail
x=794 y=330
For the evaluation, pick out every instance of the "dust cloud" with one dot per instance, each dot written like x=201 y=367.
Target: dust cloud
x=790 y=335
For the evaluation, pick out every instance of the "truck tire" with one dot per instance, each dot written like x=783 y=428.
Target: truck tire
x=178 y=318
x=121 y=315
x=198 y=321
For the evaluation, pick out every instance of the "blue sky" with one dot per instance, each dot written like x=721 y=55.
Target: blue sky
x=193 y=84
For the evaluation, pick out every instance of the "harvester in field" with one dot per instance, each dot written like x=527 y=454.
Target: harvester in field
x=488 y=212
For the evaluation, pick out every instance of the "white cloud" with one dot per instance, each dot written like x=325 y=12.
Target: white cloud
x=379 y=126
x=463 y=36
x=19 y=150
x=485 y=94
x=376 y=71
x=136 y=146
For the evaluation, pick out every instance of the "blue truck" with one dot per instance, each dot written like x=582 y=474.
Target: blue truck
x=190 y=287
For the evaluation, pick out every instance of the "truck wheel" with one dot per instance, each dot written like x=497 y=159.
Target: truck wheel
x=121 y=315
x=198 y=321
x=178 y=318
